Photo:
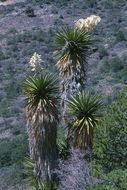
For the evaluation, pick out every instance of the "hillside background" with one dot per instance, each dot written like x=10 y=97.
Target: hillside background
x=28 y=26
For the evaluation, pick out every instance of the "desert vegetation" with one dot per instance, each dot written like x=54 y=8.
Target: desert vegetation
x=63 y=95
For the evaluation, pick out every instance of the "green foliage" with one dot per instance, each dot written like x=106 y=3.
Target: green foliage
x=58 y=22
x=119 y=178
x=32 y=180
x=42 y=91
x=73 y=44
x=58 y=3
x=91 y=3
x=120 y=36
x=104 y=186
x=104 y=65
x=13 y=30
x=12 y=88
x=11 y=176
x=16 y=130
x=1 y=55
x=102 y=52
x=62 y=143
x=42 y=101
x=110 y=139
x=97 y=169
x=116 y=64
x=30 y=12
x=29 y=172
x=13 y=151
x=84 y=113
x=121 y=75
x=115 y=180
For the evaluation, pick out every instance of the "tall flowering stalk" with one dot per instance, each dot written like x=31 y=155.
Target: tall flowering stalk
x=41 y=97
x=87 y=24
x=35 y=63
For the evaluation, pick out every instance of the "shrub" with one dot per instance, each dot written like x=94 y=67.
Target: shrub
x=1 y=55
x=122 y=75
x=11 y=176
x=110 y=139
x=104 y=65
x=115 y=180
x=13 y=151
x=74 y=173
x=16 y=130
x=12 y=88
x=12 y=30
x=119 y=178
x=30 y=12
x=91 y=3
x=58 y=22
x=116 y=64
x=102 y=52
x=104 y=186
x=120 y=36
x=57 y=3
x=54 y=11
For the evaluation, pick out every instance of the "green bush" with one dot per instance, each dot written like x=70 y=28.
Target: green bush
x=116 y=64
x=16 y=130
x=110 y=136
x=104 y=186
x=115 y=180
x=13 y=151
x=121 y=75
x=119 y=178
x=1 y=55
x=91 y=3
x=12 y=88
x=120 y=36
x=30 y=12
x=104 y=65
x=58 y=3
x=103 y=52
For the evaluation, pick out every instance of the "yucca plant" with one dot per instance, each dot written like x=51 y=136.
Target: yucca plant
x=73 y=50
x=62 y=144
x=84 y=111
x=42 y=101
x=31 y=179
x=29 y=172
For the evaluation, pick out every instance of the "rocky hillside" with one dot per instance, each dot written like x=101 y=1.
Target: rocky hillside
x=30 y=26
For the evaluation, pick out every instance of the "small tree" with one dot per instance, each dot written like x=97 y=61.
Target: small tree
x=110 y=139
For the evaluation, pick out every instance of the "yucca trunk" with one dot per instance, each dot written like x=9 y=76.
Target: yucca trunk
x=42 y=144
x=73 y=80
x=73 y=51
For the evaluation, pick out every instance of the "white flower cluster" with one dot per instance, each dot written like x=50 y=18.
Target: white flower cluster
x=35 y=61
x=88 y=23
